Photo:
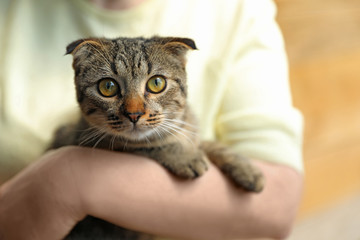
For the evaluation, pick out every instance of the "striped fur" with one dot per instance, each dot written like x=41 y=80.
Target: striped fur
x=136 y=120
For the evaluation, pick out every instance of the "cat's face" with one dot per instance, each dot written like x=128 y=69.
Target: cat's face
x=134 y=88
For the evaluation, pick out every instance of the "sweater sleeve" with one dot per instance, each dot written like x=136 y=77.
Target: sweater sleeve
x=256 y=116
x=18 y=145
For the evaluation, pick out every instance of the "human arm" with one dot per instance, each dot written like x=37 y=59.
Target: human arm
x=49 y=197
x=207 y=208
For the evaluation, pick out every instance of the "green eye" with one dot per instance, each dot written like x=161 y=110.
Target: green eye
x=156 y=84
x=108 y=87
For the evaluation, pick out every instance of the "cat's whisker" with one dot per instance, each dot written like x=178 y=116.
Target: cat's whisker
x=178 y=132
x=173 y=112
x=165 y=112
x=86 y=130
x=147 y=140
x=169 y=132
x=100 y=139
x=180 y=128
x=161 y=137
x=181 y=122
x=125 y=144
x=177 y=120
x=112 y=141
x=94 y=133
x=87 y=138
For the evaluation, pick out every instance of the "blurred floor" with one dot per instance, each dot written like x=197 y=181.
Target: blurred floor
x=323 y=43
x=341 y=222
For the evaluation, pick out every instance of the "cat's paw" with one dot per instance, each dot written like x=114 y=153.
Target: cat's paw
x=188 y=168
x=245 y=175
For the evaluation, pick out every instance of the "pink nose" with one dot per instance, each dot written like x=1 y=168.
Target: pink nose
x=134 y=117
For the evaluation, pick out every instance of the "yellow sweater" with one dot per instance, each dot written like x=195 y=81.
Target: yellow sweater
x=238 y=80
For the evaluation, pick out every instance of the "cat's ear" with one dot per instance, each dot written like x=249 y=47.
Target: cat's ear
x=178 y=46
x=188 y=43
x=75 y=45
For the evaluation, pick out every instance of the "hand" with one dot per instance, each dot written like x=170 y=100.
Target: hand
x=41 y=202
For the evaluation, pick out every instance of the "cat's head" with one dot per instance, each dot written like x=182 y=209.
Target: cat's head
x=131 y=87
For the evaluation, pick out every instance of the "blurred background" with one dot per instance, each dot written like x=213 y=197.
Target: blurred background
x=323 y=44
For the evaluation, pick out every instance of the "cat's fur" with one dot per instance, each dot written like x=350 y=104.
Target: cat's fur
x=140 y=121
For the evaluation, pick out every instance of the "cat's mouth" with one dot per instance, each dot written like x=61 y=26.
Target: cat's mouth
x=135 y=128
x=134 y=132
x=137 y=134
x=141 y=129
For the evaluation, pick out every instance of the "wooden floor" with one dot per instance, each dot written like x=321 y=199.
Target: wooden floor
x=341 y=222
x=323 y=44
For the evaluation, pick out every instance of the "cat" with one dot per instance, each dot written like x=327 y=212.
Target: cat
x=132 y=93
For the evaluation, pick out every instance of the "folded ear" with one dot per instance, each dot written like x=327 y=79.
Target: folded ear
x=177 y=46
x=74 y=46
x=180 y=42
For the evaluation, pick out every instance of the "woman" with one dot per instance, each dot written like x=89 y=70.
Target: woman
x=238 y=86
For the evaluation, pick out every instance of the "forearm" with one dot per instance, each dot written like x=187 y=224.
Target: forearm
x=138 y=193
x=47 y=199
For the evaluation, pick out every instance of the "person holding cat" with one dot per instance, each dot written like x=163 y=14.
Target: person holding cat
x=237 y=86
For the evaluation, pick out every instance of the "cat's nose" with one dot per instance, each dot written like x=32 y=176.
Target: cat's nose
x=134 y=117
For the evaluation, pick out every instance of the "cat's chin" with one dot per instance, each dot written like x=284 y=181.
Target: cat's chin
x=137 y=135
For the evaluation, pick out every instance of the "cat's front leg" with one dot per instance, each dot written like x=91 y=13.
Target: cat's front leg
x=238 y=168
x=185 y=163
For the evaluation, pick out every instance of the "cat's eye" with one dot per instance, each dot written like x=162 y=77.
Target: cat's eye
x=108 y=87
x=156 y=84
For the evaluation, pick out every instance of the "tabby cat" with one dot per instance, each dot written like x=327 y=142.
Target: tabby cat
x=132 y=94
